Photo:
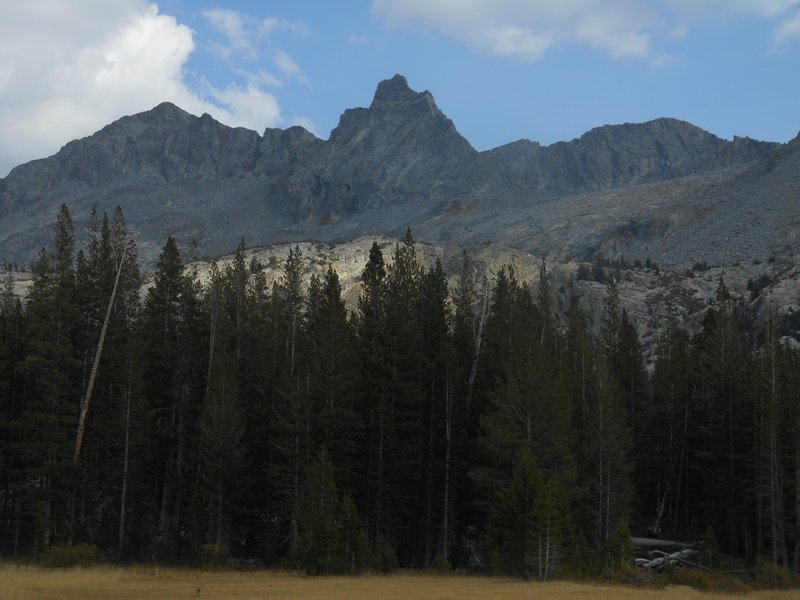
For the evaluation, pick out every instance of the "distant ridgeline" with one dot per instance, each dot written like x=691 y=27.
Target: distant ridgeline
x=664 y=189
x=464 y=425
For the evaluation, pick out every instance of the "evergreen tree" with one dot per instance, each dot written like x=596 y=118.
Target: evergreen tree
x=662 y=443
x=406 y=403
x=373 y=352
x=319 y=547
x=524 y=522
x=109 y=253
x=221 y=431
x=331 y=368
x=172 y=371
x=50 y=413
x=435 y=325
x=13 y=348
x=723 y=426
x=291 y=411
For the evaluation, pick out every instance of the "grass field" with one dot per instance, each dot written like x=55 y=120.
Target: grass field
x=153 y=582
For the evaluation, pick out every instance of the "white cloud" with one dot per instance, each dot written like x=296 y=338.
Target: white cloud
x=288 y=67
x=249 y=106
x=679 y=32
x=734 y=8
x=69 y=68
x=244 y=40
x=357 y=39
x=661 y=60
x=236 y=32
x=511 y=40
x=306 y=124
x=788 y=30
x=298 y=28
x=528 y=29
x=621 y=29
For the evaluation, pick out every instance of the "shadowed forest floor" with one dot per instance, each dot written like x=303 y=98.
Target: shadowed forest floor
x=17 y=582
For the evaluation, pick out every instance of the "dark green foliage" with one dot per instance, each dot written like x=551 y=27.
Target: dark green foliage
x=319 y=545
x=214 y=555
x=354 y=544
x=450 y=418
x=79 y=555
x=524 y=522
x=384 y=560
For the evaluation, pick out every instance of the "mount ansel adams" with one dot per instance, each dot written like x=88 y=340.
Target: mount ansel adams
x=664 y=189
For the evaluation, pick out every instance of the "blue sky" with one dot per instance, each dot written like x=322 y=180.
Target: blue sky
x=545 y=70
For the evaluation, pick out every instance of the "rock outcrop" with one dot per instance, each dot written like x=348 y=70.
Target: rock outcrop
x=399 y=162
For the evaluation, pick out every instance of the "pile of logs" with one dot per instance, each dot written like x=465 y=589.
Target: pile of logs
x=656 y=554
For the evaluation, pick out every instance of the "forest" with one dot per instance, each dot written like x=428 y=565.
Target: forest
x=465 y=426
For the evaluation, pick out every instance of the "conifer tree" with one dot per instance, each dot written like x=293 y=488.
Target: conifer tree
x=50 y=415
x=222 y=427
x=291 y=413
x=319 y=547
x=376 y=414
x=173 y=381
x=13 y=349
x=330 y=361
x=723 y=427
x=524 y=523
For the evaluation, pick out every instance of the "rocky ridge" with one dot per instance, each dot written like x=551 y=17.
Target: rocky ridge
x=641 y=190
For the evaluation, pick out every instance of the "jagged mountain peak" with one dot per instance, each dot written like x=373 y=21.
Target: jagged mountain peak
x=398 y=162
x=395 y=94
x=396 y=90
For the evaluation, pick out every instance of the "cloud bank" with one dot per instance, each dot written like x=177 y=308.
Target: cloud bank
x=622 y=29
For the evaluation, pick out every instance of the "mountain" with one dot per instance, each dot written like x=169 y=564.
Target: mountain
x=639 y=189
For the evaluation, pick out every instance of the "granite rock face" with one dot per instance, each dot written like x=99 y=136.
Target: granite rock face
x=399 y=162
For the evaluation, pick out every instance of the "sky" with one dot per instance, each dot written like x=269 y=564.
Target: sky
x=545 y=70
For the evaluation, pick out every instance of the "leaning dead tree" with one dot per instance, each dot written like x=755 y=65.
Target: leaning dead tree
x=90 y=386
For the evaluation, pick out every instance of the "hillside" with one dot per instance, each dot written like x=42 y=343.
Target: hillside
x=651 y=189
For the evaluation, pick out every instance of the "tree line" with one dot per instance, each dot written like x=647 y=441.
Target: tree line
x=469 y=426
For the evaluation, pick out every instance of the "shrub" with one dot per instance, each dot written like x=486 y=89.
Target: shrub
x=705 y=581
x=213 y=555
x=441 y=564
x=72 y=556
x=769 y=576
x=384 y=559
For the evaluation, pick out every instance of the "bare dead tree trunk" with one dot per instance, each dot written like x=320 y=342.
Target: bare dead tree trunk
x=473 y=371
x=429 y=485
x=797 y=492
x=88 y=397
x=448 y=437
x=124 y=493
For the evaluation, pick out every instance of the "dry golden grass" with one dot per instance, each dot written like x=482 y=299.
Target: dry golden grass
x=153 y=582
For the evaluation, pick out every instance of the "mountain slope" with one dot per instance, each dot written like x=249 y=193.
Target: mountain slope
x=398 y=162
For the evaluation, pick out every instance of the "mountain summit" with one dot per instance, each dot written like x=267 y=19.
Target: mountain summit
x=398 y=162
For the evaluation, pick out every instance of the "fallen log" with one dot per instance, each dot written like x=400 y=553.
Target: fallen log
x=666 y=558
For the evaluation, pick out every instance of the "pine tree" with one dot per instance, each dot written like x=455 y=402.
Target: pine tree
x=524 y=522
x=662 y=443
x=13 y=348
x=721 y=439
x=52 y=370
x=405 y=401
x=173 y=382
x=319 y=547
x=330 y=363
x=435 y=325
x=373 y=351
x=222 y=427
x=291 y=414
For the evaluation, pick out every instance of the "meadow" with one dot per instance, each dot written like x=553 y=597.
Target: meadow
x=19 y=582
